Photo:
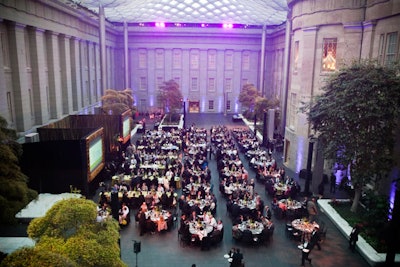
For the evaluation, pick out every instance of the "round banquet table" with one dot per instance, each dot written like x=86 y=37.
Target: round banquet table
x=194 y=227
x=304 y=226
x=255 y=227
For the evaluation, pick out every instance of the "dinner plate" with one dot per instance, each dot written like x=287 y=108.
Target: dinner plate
x=300 y=246
x=230 y=259
x=226 y=256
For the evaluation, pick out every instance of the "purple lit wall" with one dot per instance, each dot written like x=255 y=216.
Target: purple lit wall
x=221 y=107
x=236 y=106
x=394 y=174
x=300 y=152
x=151 y=100
x=203 y=103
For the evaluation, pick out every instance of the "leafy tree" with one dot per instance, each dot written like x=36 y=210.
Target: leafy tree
x=116 y=102
x=263 y=104
x=170 y=97
x=14 y=192
x=69 y=229
x=356 y=118
x=248 y=96
x=32 y=257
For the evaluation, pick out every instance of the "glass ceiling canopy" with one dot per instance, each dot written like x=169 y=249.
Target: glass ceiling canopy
x=247 y=12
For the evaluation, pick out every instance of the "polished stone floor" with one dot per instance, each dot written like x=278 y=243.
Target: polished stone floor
x=165 y=249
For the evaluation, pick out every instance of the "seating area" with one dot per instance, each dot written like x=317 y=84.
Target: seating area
x=189 y=234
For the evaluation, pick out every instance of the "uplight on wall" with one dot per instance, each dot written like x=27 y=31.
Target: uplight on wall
x=160 y=24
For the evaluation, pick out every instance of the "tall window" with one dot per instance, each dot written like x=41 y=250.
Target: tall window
x=142 y=59
x=91 y=55
x=160 y=81
x=292 y=111
x=142 y=104
x=296 y=55
x=229 y=60
x=10 y=107
x=391 y=48
x=329 y=54
x=246 y=61
x=194 y=59
x=159 y=59
x=244 y=82
x=212 y=58
x=228 y=85
x=211 y=84
x=194 y=85
x=228 y=105
x=4 y=49
x=211 y=104
x=381 y=51
x=31 y=104
x=177 y=59
x=143 y=84
x=178 y=81
x=27 y=50
x=48 y=99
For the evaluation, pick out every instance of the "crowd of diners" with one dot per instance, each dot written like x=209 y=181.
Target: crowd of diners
x=198 y=224
x=250 y=217
x=162 y=162
x=147 y=181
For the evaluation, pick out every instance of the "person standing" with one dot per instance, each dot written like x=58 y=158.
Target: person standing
x=312 y=209
x=333 y=183
x=305 y=252
x=315 y=238
x=237 y=258
x=354 y=237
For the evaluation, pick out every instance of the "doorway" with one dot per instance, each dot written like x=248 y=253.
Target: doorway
x=194 y=106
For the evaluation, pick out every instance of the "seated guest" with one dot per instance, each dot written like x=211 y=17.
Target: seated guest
x=213 y=221
x=268 y=213
x=207 y=217
x=219 y=226
x=142 y=222
x=238 y=220
x=143 y=207
x=193 y=216
x=162 y=224
x=123 y=214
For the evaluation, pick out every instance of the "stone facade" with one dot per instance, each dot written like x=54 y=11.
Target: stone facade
x=351 y=30
x=51 y=58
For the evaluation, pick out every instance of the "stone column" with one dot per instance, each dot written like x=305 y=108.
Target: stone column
x=18 y=66
x=54 y=75
x=65 y=67
x=285 y=78
x=76 y=84
x=262 y=61
x=368 y=39
x=39 y=74
x=103 y=60
x=126 y=57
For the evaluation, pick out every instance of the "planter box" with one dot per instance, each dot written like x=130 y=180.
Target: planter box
x=168 y=127
x=368 y=252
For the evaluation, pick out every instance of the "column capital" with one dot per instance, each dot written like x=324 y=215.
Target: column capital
x=65 y=36
x=16 y=25
x=48 y=32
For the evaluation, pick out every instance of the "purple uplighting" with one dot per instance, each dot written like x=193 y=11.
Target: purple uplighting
x=160 y=24
x=227 y=25
x=393 y=189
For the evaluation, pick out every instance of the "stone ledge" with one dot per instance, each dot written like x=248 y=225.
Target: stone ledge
x=367 y=251
x=10 y=244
